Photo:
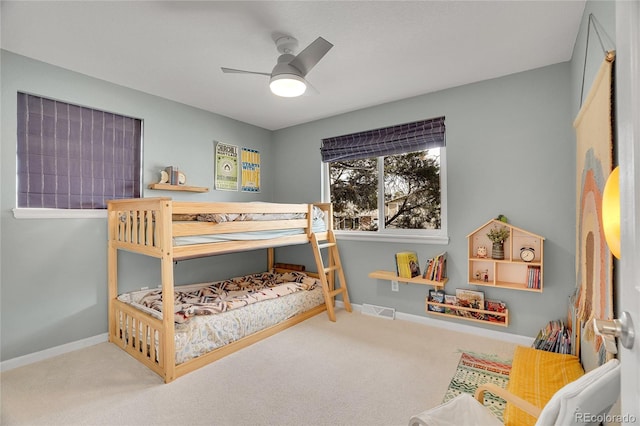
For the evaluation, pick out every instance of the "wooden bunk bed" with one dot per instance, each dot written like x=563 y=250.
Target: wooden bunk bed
x=173 y=230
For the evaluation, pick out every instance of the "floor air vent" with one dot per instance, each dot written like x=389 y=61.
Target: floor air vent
x=378 y=311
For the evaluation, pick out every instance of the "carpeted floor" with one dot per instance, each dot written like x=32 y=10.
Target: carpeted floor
x=476 y=369
x=360 y=370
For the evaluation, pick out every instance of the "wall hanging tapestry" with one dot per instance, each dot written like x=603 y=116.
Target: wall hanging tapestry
x=477 y=369
x=594 y=261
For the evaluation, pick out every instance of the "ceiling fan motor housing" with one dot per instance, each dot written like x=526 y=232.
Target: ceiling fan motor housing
x=283 y=66
x=286 y=44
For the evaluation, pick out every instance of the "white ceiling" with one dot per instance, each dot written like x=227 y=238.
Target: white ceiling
x=383 y=50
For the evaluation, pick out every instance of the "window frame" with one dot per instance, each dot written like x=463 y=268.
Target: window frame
x=42 y=213
x=422 y=236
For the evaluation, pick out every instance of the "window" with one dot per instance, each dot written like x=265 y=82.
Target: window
x=73 y=157
x=389 y=182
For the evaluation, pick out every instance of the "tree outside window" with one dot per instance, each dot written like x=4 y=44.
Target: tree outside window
x=393 y=192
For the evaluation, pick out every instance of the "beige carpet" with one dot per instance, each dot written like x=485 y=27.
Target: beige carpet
x=360 y=370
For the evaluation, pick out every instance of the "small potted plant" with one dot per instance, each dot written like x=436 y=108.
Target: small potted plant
x=498 y=235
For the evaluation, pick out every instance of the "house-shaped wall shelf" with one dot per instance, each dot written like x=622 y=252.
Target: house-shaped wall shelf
x=515 y=271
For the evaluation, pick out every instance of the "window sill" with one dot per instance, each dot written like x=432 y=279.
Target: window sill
x=24 y=213
x=391 y=238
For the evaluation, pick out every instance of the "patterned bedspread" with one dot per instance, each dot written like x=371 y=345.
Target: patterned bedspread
x=231 y=294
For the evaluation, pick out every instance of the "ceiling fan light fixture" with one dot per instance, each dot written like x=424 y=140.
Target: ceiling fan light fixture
x=287 y=85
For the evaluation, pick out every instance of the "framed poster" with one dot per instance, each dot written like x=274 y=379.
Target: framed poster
x=250 y=163
x=226 y=178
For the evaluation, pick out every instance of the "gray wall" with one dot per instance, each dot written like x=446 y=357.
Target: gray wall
x=53 y=274
x=511 y=150
x=508 y=144
x=605 y=13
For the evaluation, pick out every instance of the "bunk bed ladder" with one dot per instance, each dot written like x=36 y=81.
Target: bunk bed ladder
x=327 y=273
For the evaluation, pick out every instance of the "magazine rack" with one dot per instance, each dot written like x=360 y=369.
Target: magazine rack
x=470 y=314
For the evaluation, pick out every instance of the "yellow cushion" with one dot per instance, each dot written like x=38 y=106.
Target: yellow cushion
x=535 y=376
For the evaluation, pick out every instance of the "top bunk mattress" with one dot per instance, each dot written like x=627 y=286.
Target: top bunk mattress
x=318 y=225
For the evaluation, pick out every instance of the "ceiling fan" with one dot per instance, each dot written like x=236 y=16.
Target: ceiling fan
x=288 y=76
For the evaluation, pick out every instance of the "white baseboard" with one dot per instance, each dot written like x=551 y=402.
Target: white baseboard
x=462 y=328
x=21 y=361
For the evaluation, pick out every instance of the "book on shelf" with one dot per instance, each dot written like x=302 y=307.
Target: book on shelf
x=495 y=306
x=470 y=298
x=437 y=296
x=555 y=337
x=450 y=299
x=407 y=265
x=533 y=276
x=435 y=268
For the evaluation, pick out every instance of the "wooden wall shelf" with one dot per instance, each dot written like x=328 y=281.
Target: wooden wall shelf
x=392 y=276
x=511 y=272
x=186 y=188
x=470 y=314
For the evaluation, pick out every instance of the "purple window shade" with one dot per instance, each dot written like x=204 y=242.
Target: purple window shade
x=73 y=157
x=393 y=140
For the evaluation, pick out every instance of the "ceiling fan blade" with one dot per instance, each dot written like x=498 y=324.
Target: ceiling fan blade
x=235 y=71
x=311 y=90
x=311 y=55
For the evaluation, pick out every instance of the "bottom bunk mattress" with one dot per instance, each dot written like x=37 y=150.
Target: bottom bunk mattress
x=211 y=315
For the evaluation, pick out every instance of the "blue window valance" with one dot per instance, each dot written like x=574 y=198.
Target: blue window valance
x=399 y=139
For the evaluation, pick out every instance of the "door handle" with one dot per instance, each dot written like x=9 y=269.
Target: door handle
x=621 y=328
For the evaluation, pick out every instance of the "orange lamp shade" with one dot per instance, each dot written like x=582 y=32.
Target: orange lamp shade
x=611 y=212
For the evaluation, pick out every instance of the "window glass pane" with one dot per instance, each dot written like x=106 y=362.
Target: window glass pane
x=412 y=190
x=354 y=194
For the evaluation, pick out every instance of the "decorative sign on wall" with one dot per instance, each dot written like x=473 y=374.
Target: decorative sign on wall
x=226 y=167
x=250 y=161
